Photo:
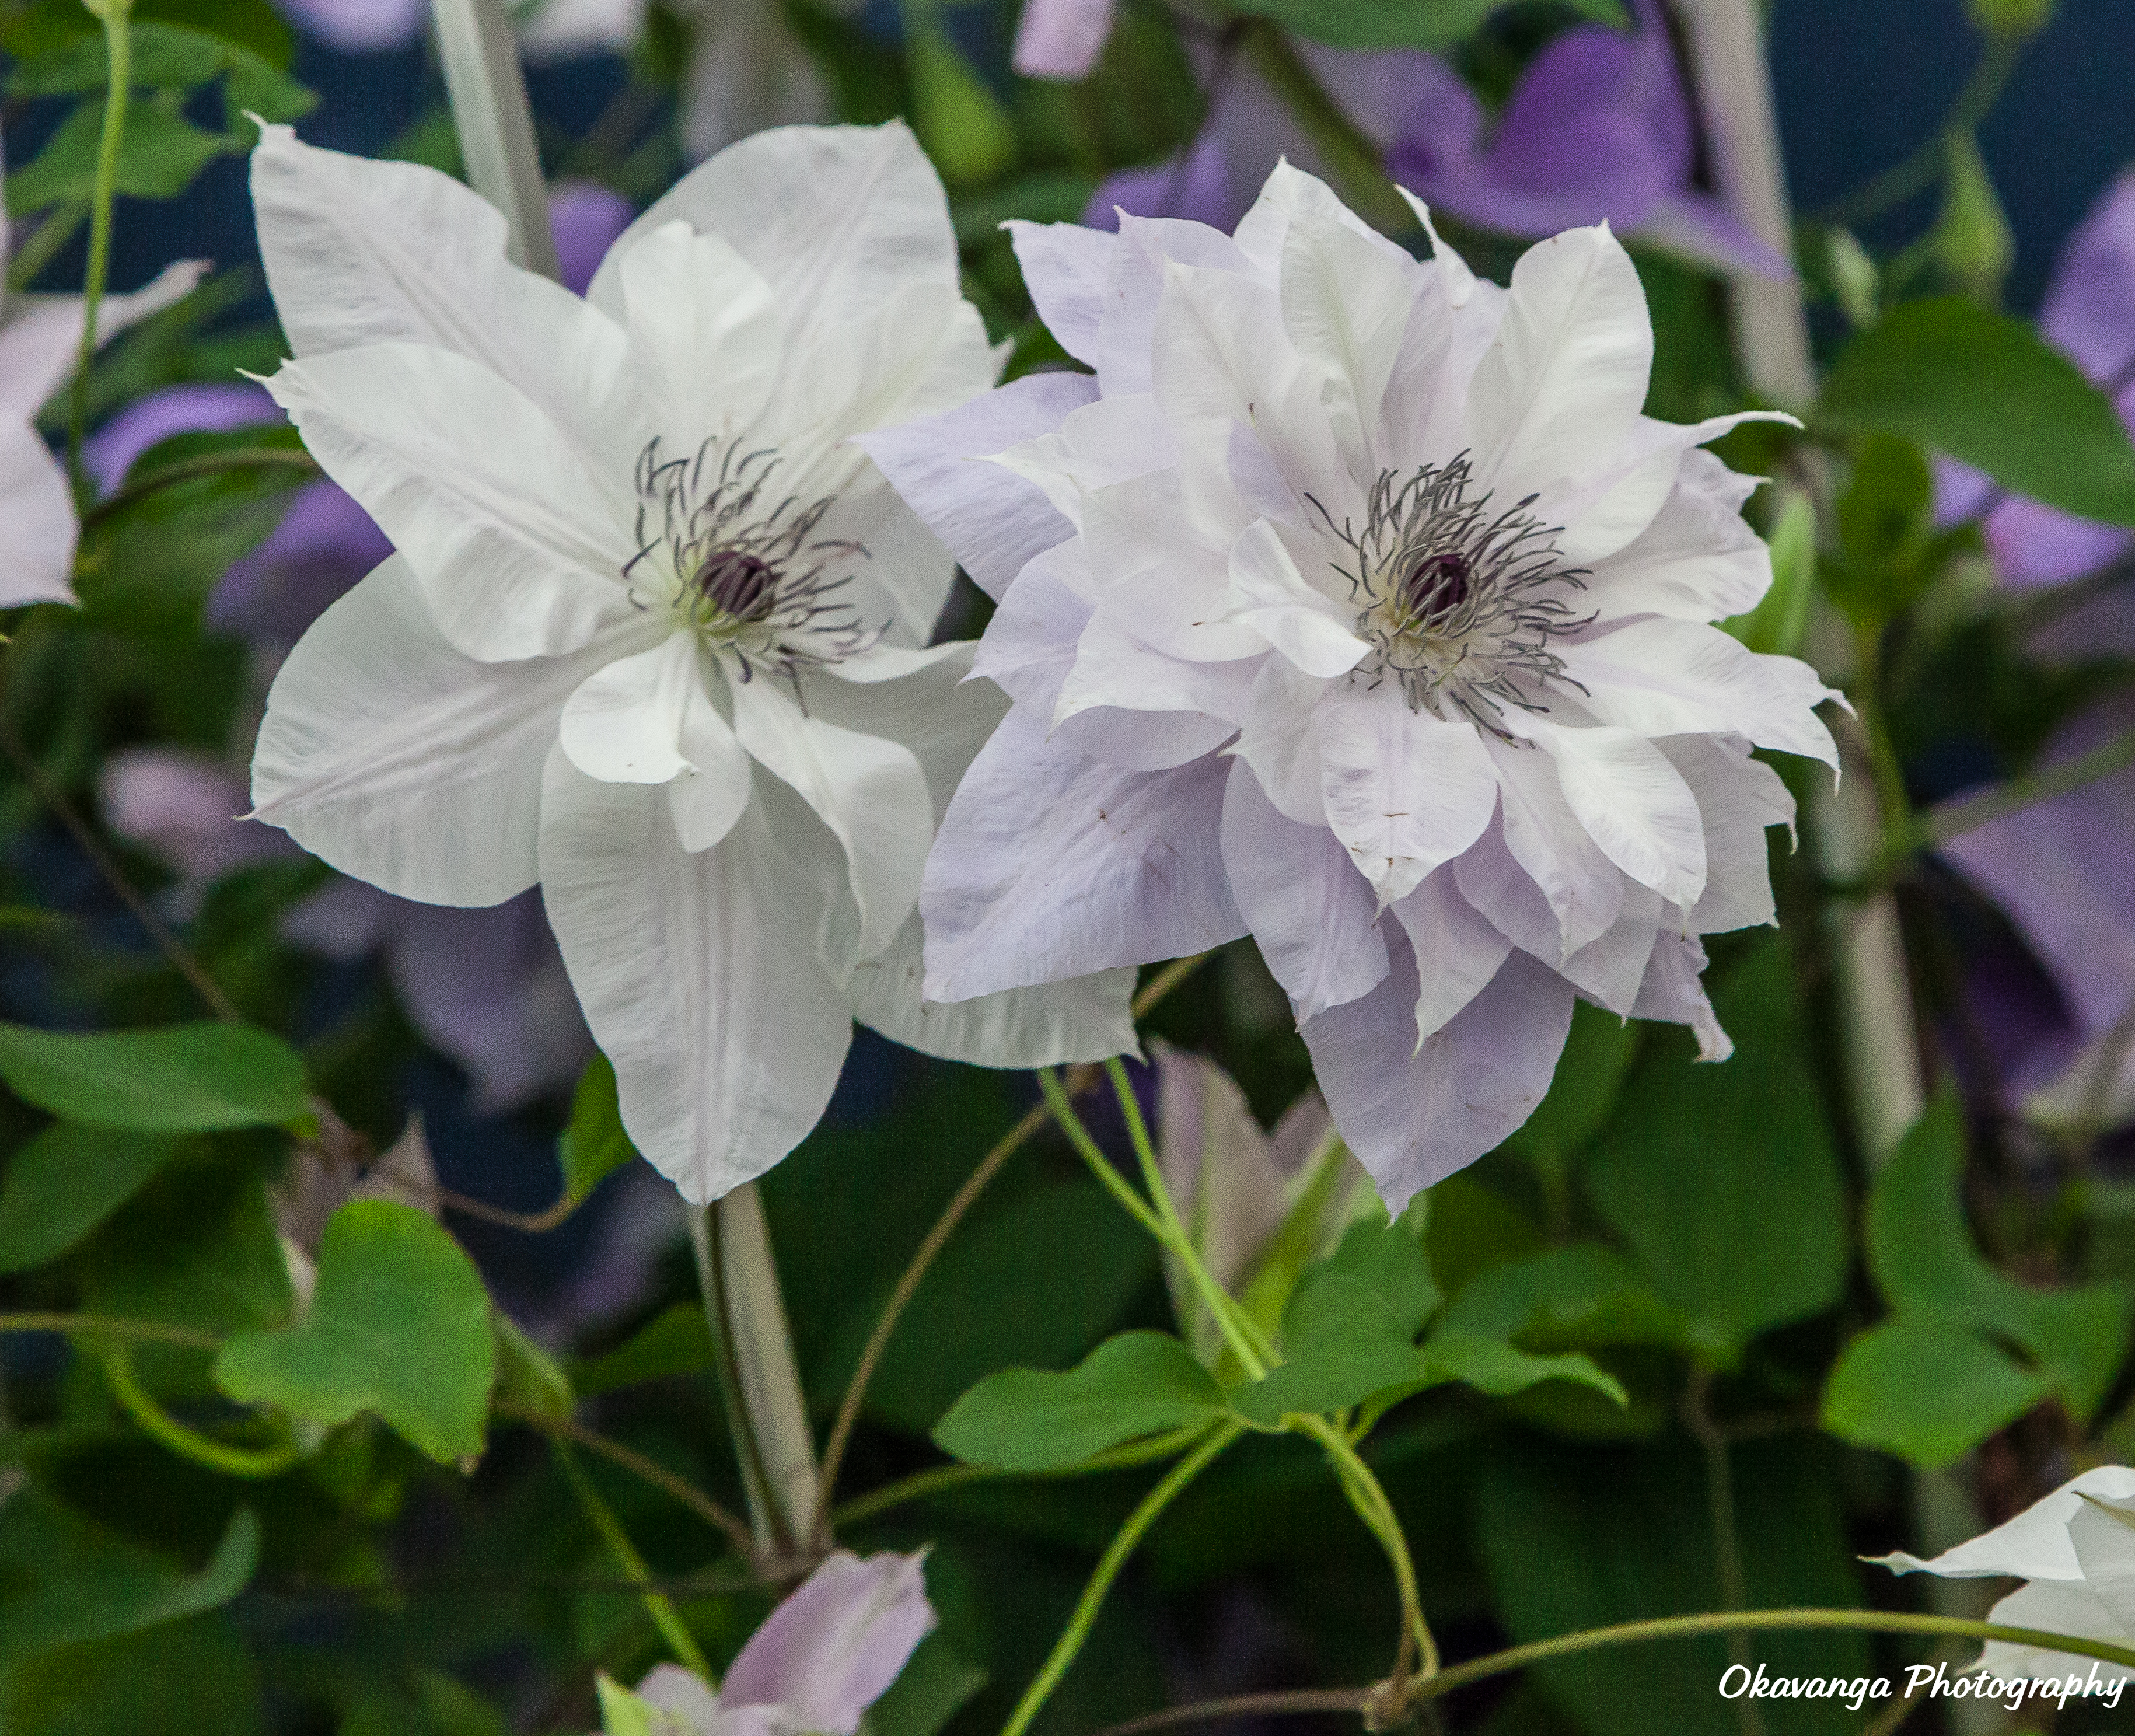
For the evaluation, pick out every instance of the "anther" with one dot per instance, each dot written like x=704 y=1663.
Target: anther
x=740 y=585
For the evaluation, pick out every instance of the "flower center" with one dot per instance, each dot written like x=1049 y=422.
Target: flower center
x=741 y=564
x=1458 y=603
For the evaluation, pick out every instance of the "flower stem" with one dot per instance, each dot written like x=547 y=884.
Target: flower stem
x=119 y=51
x=758 y=1378
x=1101 y=1166
x=1168 y=1490
x=189 y=1444
x=922 y=1483
x=1368 y=1496
x=657 y=1605
x=488 y=94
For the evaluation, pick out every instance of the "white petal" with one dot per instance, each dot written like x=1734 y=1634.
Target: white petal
x=1414 y=1115
x=519 y=548
x=1404 y=791
x=2035 y=1545
x=2054 y=1607
x=403 y=761
x=993 y=520
x=703 y=330
x=1029 y=646
x=1583 y=888
x=1108 y=440
x=1698 y=559
x=624 y=723
x=1673 y=991
x=1136 y=708
x=1562 y=388
x=1311 y=912
x=1217 y=1166
x=699 y=978
x=1269 y=595
x=1145 y=247
x=1604 y=509
x=2105 y=1540
x=1065 y=267
x=40 y=336
x=1163 y=575
x=1738 y=799
x=868 y=790
x=1610 y=967
x=1632 y=803
x=838 y=221
x=36 y=558
x=931 y=708
x=1457 y=951
x=1660 y=676
x=1280 y=739
x=1049 y=866
x=361 y=252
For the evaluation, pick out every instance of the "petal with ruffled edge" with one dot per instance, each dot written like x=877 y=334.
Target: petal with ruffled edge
x=1049 y=864
x=1404 y=791
x=1698 y=559
x=1066 y=267
x=868 y=790
x=1457 y=951
x=994 y=520
x=1269 y=595
x=1673 y=991
x=400 y=760
x=832 y=1648
x=1553 y=852
x=699 y=978
x=519 y=547
x=1632 y=803
x=1312 y=914
x=1414 y=1115
x=1739 y=799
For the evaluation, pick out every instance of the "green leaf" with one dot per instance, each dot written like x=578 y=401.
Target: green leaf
x=158 y=156
x=183 y=1078
x=1926 y=1390
x=1491 y=1366
x=1923 y=1260
x=1889 y=550
x=1987 y=390
x=175 y=1679
x=1388 y=1260
x=674 y=1341
x=399 y=1325
x=62 y=1579
x=1775 y=626
x=1561 y=1297
x=1469 y=1229
x=65 y=1181
x=958 y=119
x=1588 y=1078
x=527 y=1376
x=1722 y=1178
x=1137 y=1384
x=1342 y=1341
x=253 y=25
x=1432 y=24
x=593 y=1144
x=933 y=1686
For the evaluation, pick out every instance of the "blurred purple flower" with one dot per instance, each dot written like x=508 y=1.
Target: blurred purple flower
x=1198 y=186
x=2089 y=315
x=1597 y=129
x=1061 y=39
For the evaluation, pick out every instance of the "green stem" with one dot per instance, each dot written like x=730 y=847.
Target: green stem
x=119 y=48
x=1954 y=818
x=147 y=1332
x=657 y=1605
x=1368 y=1496
x=1078 y=1136
x=1168 y=1490
x=187 y=470
x=246 y=1461
x=1247 y=1342
x=922 y=1483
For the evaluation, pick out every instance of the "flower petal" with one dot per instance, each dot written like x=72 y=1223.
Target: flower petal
x=1312 y=914
x=994 y=520
x=703 y=330
x=699 y=978
x=1404 y=791
x=519 y=547
x=1061 y=39
x=1415 y=1114
x=1066 y=267
x=2054 y=1607
x=2036 y=1544
x=1632 y=803
x=868 y=790
x=1673 y=991
x=1457 y=951
x=37 y=562
x=1269 y=595
x=1698 y=559
x=624 y=723
x=400 y=760
x=1739 y=798
x=40 y=336
x=1049 y=864
x=831 y=1649
x=1583 y=890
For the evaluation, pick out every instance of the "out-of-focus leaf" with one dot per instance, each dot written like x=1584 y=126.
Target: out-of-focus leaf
x=1388 y=1260
x=1589 y=1076
x=933 y=1687
x=1026 y=1419
x=1586 y=1294
x=960 y=123
x=170 y=56
x=179 y=1678
x=1432 y=24
x=66 y=1180
x=430 y=1704
x=1987 y=390
x=1970 y=239
x=675 y=1341
x=183 y=1078
x=1583 y=1536
x=62 y=1579
x=1889 y=548
x=1491 y=1366
x=158 y=158
x=1469 y=1230
x=527 y=1376
x=1926 y=1390
x=593 y=1144
x=1775 y=626
x=1722 y=1178
x=399 y=1325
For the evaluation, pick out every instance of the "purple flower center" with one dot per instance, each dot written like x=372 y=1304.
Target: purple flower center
x=738 y=584
x=1436 y=584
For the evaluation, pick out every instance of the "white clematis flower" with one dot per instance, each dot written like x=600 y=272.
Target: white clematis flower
x=40 y=345
x=654 y=632
x=1355 y=602
x=2076 y=1550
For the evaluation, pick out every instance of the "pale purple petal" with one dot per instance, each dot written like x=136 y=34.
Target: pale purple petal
x=1960 y=492
x=359 y=27
x=1312 y=912
x=992 y=519
x=684 y=1693
x=1198 y=186
x=1050 y=865
x=586 y=218
x=832 y=1649
x=324 y=544
x=2089 y=313
x=2035 y=543
x=1061 y=39
x=1414 y=1115
x=187 y=807
x=110 y=453
x=1704 y=228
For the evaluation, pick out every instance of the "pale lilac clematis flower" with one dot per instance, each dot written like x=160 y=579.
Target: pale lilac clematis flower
x=825 y=1655
x=1061 y=39
x=1597 y=130
x=1354 y=602
x=654 y=637
x=40 y=343
x=2075 y=1551
x=1198 y=186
